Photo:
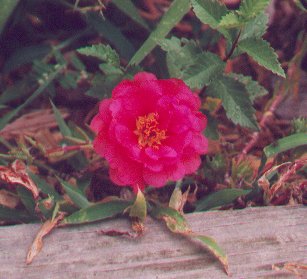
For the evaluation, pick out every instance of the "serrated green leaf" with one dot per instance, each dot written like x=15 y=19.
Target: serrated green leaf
x=185 y=60
x=130 y=10
x=235 y=101
x=102 y=52
x=261 y=51
x=173 y=15
x=45 y=83
x=206 y=66
x=65 y=130
x=7 y=8
x=139 y=208
x=219 y=198
x=256 y=27
x=75 y=194
x=210 y=12
x=253 y=88
x=180 y=54
x=97 y=211
x=252 y=8
x=285 y=144
x=248 y=10
x=108 y=69
x=231 y=20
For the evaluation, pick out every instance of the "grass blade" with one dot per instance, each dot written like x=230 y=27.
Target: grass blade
x=10 y=115
x=219 y=198
x=96 y=212
x=285 y=144
x=174 y=14
x=7 y=8
x=75 y=194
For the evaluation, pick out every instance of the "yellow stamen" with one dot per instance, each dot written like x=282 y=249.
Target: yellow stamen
x=148 y=132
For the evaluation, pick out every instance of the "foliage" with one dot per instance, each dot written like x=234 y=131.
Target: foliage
x=71 y=54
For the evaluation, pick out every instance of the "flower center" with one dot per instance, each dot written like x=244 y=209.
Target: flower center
x=148 y=132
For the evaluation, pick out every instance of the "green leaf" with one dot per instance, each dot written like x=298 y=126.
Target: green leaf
x=102 y=52
x=248 y=10
x=235 y=100
x=180 y=54
x=10 y=115
x=7 y=8
x=205 y=67
x=75 y=194
x=175 y=222
x=253 y=88
x=139 y=208
x=231 y=20
x=65 y=130
x=27 y=199
x=219 y=198
x=285 y=144
x=96 y=212
x=211 y=130
x=111 y=33
x=255 y=28
x=185 y=60
x=43 y=186
x=102 y=86
x=127 y=7
x=173 y=15
x=69 y=80
x=210 y=12
x=15 y=215
x=84 y=182
x=261 y=51
x=212 y=246
x=300 y=5
x=252 y=8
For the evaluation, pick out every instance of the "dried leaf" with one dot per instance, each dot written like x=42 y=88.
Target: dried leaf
x=30 y=123
x=16 y=173
x=176 y=223
x=286 y=172
x=37 y=244
x=179 y=199
x=8 y=199
x=138 y=227
x=139 y=208
x=299 y=269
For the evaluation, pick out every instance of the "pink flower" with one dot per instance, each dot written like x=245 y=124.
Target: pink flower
x=150 y=131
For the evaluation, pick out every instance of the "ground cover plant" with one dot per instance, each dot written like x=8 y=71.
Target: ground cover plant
x=152 y=107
